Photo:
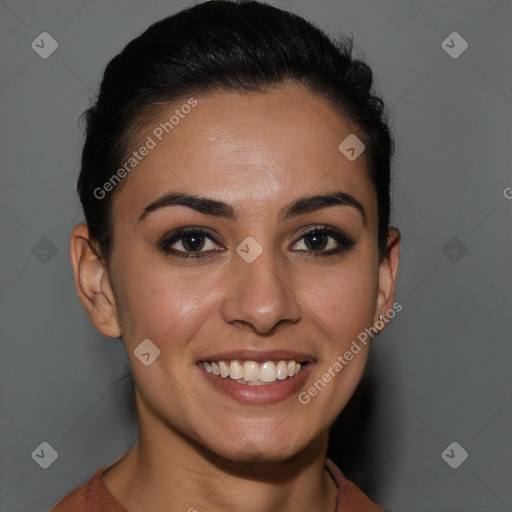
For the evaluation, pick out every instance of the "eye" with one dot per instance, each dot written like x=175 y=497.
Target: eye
x=325 y=241
x=189 y=243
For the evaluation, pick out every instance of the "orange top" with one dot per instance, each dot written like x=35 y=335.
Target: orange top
x=95 y=497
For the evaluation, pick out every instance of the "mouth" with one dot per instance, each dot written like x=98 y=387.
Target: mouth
x=262 y=378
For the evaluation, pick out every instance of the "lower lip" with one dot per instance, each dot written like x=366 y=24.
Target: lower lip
x=264 y=394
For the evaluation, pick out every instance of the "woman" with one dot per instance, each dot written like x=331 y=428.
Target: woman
x=235 y=183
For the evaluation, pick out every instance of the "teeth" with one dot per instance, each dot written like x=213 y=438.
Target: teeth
x=252 y=373
x=235 y=370
x=268 y=372
x=282 y=370
x=224 y=369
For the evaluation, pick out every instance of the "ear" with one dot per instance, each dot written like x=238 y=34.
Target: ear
x=92 y=282
x=388 y=271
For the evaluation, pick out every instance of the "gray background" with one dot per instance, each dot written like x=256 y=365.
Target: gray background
x=442 y=368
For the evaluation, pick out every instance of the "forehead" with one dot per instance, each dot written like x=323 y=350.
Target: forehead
x=248 y=149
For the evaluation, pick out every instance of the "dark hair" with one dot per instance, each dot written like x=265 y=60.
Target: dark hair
x=222 y=45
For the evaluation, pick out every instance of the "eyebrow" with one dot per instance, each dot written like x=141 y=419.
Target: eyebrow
x=216 y=208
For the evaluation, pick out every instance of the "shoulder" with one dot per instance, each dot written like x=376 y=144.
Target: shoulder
x=350 y=497
x=75 y=501
x=93 y=496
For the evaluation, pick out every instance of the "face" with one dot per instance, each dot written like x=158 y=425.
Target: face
x=263 y=282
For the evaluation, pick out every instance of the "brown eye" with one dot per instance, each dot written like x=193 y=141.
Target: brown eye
x=325 y=242
x=189 y=243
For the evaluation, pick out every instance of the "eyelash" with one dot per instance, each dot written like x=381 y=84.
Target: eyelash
x=343 y=240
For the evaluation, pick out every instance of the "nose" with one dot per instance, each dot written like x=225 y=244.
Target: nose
x=260 y=294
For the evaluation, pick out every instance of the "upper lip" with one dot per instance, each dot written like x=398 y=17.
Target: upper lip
x=258 y=356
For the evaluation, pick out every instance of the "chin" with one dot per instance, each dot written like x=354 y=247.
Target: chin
x=242 y=447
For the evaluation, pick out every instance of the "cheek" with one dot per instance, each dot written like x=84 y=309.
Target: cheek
x=343 y=299
x=160 y=302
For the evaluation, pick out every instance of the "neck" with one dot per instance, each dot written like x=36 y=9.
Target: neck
x=169 y=472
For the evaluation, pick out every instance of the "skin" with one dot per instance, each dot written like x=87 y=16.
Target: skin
x=257 y=152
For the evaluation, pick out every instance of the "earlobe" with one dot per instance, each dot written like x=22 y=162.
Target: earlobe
x=92 y=282
x=388 y=271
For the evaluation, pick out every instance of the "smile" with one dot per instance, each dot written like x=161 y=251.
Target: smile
x=252 y=373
